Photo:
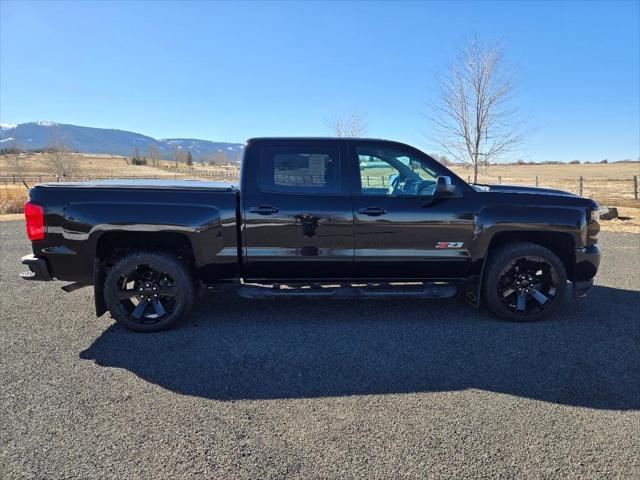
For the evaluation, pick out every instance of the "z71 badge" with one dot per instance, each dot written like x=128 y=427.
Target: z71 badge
x=449 y=244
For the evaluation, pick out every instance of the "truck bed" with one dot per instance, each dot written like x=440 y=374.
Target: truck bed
x=146 y=184
x=86 y=219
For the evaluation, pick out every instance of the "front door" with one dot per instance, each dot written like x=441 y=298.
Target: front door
x=402 y=229
x=298 y=217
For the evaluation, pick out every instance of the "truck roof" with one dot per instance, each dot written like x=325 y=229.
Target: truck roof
x=325 y=139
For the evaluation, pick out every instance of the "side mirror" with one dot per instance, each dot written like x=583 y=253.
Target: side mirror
x=444 y=186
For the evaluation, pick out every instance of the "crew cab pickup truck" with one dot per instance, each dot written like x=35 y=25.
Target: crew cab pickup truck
x=339 y=218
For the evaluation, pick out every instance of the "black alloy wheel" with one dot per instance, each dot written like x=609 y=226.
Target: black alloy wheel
x=148 y=295
x=527 y=285
x=148 y=291
x=524 y=282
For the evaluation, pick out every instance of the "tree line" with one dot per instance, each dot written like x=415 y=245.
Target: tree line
x=181 y=156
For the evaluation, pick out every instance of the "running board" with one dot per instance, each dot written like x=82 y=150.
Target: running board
x=370 y=290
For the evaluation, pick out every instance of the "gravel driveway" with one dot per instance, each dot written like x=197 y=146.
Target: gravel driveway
x=320 y=389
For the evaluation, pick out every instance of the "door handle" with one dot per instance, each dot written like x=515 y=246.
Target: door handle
x=263 y=209
x=373 y=211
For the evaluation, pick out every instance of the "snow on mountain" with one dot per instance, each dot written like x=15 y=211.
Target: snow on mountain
x=110 y=141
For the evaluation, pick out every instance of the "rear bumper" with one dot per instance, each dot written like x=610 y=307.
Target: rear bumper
x=38 y=269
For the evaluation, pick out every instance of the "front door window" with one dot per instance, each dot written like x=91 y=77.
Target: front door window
x=389 y=172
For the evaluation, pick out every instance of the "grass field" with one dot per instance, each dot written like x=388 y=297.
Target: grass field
x=37 y=165
x=609 y=184
x=605 y=183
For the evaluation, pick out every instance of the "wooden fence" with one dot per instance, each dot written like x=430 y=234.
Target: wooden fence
x=611 y=187
x=579 y=185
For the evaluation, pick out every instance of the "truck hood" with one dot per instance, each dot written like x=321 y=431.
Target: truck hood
x=521 y=189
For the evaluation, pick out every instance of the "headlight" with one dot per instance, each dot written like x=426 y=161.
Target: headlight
x=595 y=215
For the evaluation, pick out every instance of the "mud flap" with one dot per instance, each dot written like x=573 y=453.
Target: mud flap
x=472 y=290
x=98 y=283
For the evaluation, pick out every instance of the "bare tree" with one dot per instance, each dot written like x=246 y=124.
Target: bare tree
x=62 y=165
x=443 y=159
x=17 y=159
x=178 y=156
x=220 y=158
x=153 y=153
x=473 y=121
x=352 y=124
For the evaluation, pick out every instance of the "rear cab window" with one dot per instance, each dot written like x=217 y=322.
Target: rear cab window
x=304 y=169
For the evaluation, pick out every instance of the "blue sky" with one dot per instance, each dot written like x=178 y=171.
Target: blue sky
x=228 y=71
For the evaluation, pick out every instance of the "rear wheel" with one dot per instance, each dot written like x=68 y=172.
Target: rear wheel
x=148 y=291
x=524 y=282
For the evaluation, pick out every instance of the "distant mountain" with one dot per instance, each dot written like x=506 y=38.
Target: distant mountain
x=37 y=135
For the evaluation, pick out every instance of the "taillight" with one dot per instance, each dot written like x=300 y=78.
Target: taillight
x=34 y=215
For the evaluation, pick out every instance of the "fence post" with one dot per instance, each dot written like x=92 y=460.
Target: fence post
x=581 y=182
x=500 y=179
x=635 y=187
x=468 y=178
x=536 y=181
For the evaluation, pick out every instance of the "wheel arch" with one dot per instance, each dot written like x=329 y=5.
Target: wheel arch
x=563 y=244
x=560 y=243
x=545 y=297
x=111 y=245
x=169 y=278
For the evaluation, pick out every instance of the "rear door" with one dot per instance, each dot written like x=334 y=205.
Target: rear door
x=298 y=218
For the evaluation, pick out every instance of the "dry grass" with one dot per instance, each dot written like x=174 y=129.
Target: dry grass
x=628 y=221
x=12 y=198
x=609 y=184
x=85 y=166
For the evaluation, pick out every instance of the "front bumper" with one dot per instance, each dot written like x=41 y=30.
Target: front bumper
x=581 y=288
x=38 y=268
x=587 y=263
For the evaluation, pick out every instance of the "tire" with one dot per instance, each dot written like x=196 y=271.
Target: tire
x=524 y=282
x=148 y=291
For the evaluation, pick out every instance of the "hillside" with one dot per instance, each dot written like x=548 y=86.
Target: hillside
x=37 y=135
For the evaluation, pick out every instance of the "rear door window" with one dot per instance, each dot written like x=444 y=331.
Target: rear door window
x=300 y=169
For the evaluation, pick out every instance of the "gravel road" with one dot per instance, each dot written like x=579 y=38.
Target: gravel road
x=320 y=389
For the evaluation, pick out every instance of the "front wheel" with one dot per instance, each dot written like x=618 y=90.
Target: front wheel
x=148 y=291
x=524 y=282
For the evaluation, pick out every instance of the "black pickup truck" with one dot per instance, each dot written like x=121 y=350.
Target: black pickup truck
x=338 y=218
